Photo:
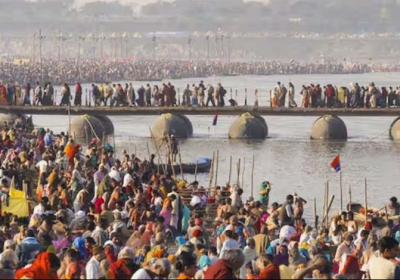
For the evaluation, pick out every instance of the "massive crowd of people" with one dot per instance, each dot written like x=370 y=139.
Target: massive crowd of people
x=101 y=71
x=85 y=214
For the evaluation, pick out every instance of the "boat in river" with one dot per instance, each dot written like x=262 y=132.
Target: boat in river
x=201 y=165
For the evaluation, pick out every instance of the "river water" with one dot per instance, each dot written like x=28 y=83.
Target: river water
x=288 y=158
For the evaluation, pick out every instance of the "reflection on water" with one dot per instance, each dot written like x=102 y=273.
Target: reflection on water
x=288 y=158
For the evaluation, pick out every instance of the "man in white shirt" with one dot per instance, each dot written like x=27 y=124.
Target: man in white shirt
x=41 y=208
x=229 y=243
x=42 y=165
x=93 y=266
x=196 y=200
x=159 y=270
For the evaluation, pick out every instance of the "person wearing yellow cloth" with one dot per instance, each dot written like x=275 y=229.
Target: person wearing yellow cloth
x=14 y=201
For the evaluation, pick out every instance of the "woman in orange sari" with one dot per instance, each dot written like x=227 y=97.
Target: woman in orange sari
x=44 y=267
x=167 y=209
x=71 y=150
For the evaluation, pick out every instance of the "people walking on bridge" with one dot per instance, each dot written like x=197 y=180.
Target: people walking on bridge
x=210 y=95
x=220 y=93
x=3 y=94
x=96 y=95
x=18 y=97
x=194 y=95
x=38 y=94
x=78 y=95
x=131 y=95
x=109 y=93
x=292 y=102
x=156 y=96
x=27 y=94
x=66 y=95
x=148 y=95
x=141 y=97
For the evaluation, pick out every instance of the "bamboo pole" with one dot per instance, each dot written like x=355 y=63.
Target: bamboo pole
x=325 y=206
x=244 y=169
x=238 y=173
x=230 y=171
x=180 y=164
x=315 y=214
x=327 y=201
x=211 y=174
x=158 y=153
x=148 y=150
x=69 y=121
x=216 y=170
x=171 y=156
x=326 y=218
x=350 y=206
x=366 y=202
x=341 y=192
x=252 y=177
x=195 y=170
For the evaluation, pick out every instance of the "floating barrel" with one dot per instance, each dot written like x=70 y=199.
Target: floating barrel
x=169 y=124
x=248 y=126
x=85 y=128
x=394 y=132
x=329 y=127
x=107 y=124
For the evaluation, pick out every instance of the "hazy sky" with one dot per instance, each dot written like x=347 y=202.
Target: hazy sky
x=79 y=3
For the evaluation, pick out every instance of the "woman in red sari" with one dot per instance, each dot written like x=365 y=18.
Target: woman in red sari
x=44 y=267
x=78 y=95
x=124 y=268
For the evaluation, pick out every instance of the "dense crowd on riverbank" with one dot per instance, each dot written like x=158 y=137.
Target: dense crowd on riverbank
x=101 y=71
x=91 y=215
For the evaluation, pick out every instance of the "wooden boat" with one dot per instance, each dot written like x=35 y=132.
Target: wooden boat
x=203 y=166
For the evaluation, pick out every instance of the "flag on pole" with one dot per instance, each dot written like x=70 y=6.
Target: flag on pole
x=215 y=119
x=336 y=163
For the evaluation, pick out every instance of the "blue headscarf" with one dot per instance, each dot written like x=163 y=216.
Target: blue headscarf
x=204 y=261
x=79 y=244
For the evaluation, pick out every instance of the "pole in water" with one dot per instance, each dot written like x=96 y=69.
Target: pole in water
x=366 y=201
x=350 y=203
x=238 y=173
x=315 y=214
x=211 y=173
x=216 y=170
x=341 y=192
x=252 y=176
x=230 y=171
x=245 y=97
x=244 y=168
x=195 y=170
x=69 y=119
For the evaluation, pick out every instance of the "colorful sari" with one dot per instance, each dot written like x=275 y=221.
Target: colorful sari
x=122 y=269
x=166 y=212
x=40 y=269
